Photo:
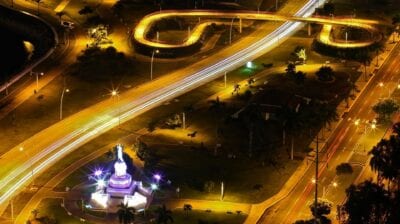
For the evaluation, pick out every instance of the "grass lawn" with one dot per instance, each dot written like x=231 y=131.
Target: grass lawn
x=175 y=37
x=189 y=169
x=81 y=174
x=52 y=209
x=193 y=217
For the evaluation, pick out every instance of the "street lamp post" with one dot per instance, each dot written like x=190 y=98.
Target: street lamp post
x=222 y=191
x=230 y=32
x=151 y=63
x=61 y=101
x=37 y=1
x=184 y=120
x=225 y=78
x=37 y=78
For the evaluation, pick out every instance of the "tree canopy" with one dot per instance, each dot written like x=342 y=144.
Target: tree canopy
x=325 y=73
x=385 y=108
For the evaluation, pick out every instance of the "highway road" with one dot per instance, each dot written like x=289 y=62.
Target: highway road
x=141 y=30
x=350 y=142
x=45 y=148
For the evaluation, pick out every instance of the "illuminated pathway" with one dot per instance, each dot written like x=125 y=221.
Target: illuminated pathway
x=147 y=22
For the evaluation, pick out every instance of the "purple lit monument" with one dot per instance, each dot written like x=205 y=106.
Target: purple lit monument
x=120 y=183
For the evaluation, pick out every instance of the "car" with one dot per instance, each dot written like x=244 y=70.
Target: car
x=67 y=24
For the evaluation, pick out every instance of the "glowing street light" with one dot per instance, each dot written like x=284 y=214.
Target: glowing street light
x=313 y=180
x=154 y=187
x=37 y=78
x=98 y=172
x=382 y=85
x=249 y=64
x=334 y=184
x=157 y=177
x=373 y=124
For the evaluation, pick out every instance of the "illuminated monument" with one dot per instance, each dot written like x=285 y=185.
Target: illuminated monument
x=120 y=183
x=120 y=188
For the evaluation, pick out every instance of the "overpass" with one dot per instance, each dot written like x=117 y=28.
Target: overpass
x=144 y=26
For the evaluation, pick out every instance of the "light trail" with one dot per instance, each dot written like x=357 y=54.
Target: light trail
x=15 y=180
x=147 y=22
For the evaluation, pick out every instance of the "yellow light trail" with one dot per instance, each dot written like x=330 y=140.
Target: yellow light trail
x=147 y=22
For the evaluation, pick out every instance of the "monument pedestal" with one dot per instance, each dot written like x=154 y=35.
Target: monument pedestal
x=119 y=186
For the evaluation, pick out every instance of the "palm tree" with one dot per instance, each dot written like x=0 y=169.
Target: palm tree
x=364 y=58
x=396 y=128
x=125 y=213
x=396 y=22
x=394 y=216
x=379 y=48
x=254 y=121
x=328 y=114
x=366 y=203
x=187 y=208
x=164 y=215
x=386 y=159
x=291 y=123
